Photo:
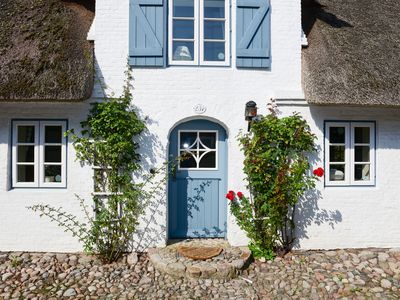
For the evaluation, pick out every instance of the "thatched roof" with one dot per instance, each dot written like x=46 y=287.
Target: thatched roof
x=44 y=54
x=353 y=55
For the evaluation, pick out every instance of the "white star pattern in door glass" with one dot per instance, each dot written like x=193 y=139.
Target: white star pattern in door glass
x=198 y=149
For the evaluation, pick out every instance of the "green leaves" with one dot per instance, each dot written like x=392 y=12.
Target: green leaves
x=109 y=141
x=276 y=168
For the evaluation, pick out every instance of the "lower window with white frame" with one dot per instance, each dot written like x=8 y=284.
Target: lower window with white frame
x=38 y=153
x=350 y=153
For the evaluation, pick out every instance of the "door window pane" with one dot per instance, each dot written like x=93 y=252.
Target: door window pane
x=214 y=30
x=183 y=50
x=183 y=8
x=336 y=153
x=336 y=173
x=53 y=134
x=361 y=153
x=214 y=8
x=337 y=135
x=361 y=135
x=208 y=160
x=52 y=173
x=25 y=173
x=52 y=154
x=26 y=134
x=362 y=172
x=214 y=51
x=208 y=139
x=188 y=160
x=187 y=140
x=183 y=29
x=26 y=153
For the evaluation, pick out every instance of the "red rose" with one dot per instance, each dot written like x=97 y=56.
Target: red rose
x=319 y=172
x=231 y=192
x=230 y=196
x=240 y=195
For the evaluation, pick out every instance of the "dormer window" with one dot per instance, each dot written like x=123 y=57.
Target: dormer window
x=198 y=32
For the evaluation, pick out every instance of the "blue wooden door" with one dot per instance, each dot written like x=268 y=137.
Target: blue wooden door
x=197 y=184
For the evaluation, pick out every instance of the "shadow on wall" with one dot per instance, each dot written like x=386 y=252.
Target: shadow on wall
x=152 y=231
x=307 y=209
x=308 y=213
x=313 y=10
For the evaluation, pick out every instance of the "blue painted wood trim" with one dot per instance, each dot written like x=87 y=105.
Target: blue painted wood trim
x=147 y=26
x=253 y=34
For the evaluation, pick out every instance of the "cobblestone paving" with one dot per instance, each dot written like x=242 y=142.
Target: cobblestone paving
x=349 y=274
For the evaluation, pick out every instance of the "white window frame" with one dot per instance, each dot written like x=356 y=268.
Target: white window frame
x=39 y=144
x=197 y=162
x=198 y=40
x=349 y=153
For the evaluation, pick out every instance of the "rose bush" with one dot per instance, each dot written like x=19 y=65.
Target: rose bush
x=278 y=174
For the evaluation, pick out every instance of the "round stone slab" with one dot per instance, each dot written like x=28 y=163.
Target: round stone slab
x=227 y=263
x=199 y=253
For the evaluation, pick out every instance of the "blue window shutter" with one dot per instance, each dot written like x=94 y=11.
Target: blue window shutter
x=147 y=33
x=253 y=36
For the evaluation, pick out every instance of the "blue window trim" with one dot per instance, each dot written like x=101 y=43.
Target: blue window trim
x=324 y=161
x=10 y=151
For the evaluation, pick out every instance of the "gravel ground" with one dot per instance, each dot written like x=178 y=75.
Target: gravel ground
x=349 y=274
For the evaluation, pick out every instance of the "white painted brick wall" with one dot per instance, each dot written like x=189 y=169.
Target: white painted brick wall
x=20 y=228
x=369 y=216
x=166 y=96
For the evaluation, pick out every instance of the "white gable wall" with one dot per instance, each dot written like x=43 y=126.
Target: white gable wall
x=167 y=95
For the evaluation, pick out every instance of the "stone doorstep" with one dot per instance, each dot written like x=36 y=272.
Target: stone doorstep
x=210 y=269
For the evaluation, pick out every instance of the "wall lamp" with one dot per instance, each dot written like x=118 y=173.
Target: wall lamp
x=250 y=112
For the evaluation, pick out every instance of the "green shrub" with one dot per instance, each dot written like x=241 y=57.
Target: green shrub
x=278 y=174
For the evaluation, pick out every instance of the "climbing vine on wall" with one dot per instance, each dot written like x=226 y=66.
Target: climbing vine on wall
x=109 y=143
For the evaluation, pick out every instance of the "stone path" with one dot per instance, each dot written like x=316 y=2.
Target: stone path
x=227 y=265
x=341 y=274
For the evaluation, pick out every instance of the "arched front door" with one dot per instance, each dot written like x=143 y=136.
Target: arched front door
x=197 y=184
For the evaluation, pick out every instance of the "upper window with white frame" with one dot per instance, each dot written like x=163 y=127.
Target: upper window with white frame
x=39 y=154
x=350 y=153
x=199 y=32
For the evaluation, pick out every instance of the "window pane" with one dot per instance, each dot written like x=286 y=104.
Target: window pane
x=214 y=30
x=336 y=173
x=214 y=51
x=208 y=139
x=336 y=135
x=183 y=29
x=53 y=134
x=183 y=50
x=208 y=160
x=336 y=153
x=26 y=134
x=52 y=173
x=214 y=8
x=361 y=153
x=187 y=159
x=187 y=139
x=26 y=153
x=25 y=173
x=362 y=172
x=52 y=154
x=361 y=135
x=183 y=8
